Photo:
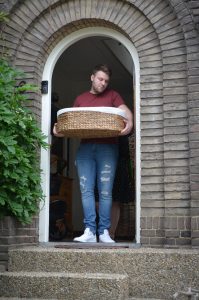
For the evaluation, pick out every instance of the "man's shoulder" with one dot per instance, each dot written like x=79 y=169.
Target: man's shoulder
x=82 y=98
x=84 y=94
x=111 y=92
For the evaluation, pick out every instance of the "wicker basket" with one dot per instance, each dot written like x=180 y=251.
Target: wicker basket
x=90 y=122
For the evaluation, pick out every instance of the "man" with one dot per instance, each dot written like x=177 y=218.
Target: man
x=97 y=158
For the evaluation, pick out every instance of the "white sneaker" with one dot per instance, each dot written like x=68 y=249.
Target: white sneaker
x=105 y=237
x=87 y=237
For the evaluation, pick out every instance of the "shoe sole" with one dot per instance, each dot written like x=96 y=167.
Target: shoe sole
x=113 y=242
x=93 y=241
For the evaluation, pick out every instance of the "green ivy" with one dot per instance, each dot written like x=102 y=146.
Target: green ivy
x=20 y=142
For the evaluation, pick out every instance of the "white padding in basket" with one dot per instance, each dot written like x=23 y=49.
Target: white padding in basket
x=104 y=109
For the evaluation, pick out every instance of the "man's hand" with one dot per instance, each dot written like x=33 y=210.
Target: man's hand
x=128 y=121
x=55 y=131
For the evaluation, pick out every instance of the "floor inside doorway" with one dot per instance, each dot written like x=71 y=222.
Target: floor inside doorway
x=75 y=245
x=69 y=238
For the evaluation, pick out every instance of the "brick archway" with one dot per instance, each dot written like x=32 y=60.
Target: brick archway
x=155 y=31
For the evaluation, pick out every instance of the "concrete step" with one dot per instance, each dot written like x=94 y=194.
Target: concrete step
x=16 y=298
x=77 y=286
x=152 y=273
x=66 y=260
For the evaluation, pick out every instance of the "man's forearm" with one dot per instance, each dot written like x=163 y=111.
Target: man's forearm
x=129 y=119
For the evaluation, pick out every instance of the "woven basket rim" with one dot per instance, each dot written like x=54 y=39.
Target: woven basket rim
x=103 y=109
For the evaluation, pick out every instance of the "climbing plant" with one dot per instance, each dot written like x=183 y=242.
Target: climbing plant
x=20 y=142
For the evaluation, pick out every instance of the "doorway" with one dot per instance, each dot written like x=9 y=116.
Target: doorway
x=70 y=77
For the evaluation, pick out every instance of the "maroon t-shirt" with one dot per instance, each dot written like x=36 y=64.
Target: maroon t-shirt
x=108 y=98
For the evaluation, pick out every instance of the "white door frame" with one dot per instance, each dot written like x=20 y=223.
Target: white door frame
x=46 y=117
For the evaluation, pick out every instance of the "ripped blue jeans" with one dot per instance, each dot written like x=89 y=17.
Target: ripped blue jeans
x=96 y=163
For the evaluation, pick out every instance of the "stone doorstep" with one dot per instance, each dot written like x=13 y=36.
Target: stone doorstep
x=152 y=273
x=78 y=286
x=6 y=298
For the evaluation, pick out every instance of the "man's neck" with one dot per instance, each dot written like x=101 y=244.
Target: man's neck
x=92 y=92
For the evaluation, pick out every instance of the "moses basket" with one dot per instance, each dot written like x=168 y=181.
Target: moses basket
x=90 y=122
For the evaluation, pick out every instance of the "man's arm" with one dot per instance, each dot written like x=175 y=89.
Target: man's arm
x=55 y=131
x=128 y=121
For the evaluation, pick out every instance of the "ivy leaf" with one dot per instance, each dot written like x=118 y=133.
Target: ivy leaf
x=20 y=141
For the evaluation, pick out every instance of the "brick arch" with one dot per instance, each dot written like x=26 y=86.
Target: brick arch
x=190 y=28
x=150 y=55
x=155 y=31
x=74 y=26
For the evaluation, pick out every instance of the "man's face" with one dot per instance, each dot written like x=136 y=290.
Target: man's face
x=100 y=81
